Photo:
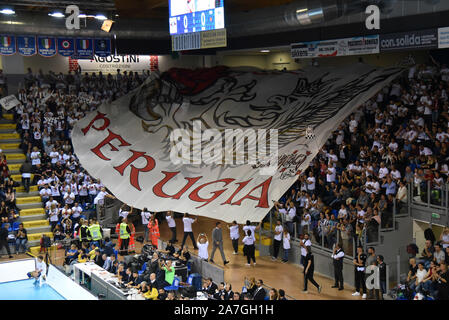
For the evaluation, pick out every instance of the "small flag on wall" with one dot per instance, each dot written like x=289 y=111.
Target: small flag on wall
x=7 y=45
x=46 y=46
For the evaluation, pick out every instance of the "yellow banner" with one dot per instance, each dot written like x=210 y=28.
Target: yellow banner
x=213 y=39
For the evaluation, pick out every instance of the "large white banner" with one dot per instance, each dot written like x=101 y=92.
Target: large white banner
x=110 y=64
x=128 y=144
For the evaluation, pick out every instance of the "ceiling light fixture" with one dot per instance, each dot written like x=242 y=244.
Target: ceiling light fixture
x=265 y=51
x=7 y=11
x=100 y=17
x=56 y=15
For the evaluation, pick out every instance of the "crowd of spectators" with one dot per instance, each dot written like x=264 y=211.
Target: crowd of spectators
x=363 y=173
x=397 y=139
x=50 y=105
x=428 y=270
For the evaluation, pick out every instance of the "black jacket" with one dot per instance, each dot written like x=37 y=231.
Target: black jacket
x=4 y=235
x=26 y=167
x=260 y=294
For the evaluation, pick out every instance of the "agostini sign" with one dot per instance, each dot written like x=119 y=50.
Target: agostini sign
x=110 y=64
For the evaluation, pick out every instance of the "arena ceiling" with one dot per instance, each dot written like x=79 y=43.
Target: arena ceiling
x=142 y=25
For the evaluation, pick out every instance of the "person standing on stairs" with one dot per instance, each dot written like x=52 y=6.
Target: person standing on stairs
x=4 y=239
x=26 y=169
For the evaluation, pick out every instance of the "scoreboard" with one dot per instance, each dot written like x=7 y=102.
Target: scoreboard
x=189 y=16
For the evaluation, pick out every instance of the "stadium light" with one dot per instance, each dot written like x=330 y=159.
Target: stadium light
x=100 y=17
x=56 y=14
x=7 y=11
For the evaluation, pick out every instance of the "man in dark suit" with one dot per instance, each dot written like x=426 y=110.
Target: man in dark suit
x=209 y=287
x=260 y=292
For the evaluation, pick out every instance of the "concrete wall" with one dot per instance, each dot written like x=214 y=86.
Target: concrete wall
x=280 y=60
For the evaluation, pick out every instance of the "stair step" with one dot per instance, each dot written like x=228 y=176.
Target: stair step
x=29 y=194
x=9 y=136
x=32 y=212
x=40 y=229
x=35 y=223
x=9 y=146
x=35 y=250
x=256 y=254
x=266 y=226
x=6 y=151
x=8 y=116
x=8 y=126
x=37 y=236
x=24 y=200
x=22 y=189
x=15 y=156
x=266 y=241
x=29 y=205
x=10 y=140
x=18 y=177
x=26 y=218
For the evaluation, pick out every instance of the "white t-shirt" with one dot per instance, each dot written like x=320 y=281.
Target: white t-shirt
x=203 y=250
x=234 y=232
x=35 y=158
x=187 y=224
x=76 y=211
x=248 y=241
x=253 y=233
x=146 y=215
x=123 y=213
x=331 y=177
x=171 y=222
x=286 y=241
x=421 y=274
x=41 y=266
x=307 y=243
x=279 y=229
x=311 y=186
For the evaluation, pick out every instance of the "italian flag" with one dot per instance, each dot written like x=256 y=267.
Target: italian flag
x=46 y=43
x=84 y=44
x=6 y=41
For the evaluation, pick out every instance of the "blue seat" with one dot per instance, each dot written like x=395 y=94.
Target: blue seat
x=189 y=266
x=190 y=280
x=174 y=286
x=143 y=269
x=15 y=226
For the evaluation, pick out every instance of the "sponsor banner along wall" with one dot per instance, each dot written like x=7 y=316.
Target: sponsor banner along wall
x=110 y=64
x=443 y=38
x=337 y=47
x=413 y=40
x=127 y=143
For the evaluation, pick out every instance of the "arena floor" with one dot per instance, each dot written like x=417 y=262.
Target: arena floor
x=274 y=273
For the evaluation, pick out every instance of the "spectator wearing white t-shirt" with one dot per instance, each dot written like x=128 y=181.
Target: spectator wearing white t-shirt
x=253 y=229
x=235 y=235
x=310 y=183
x=331 y=173
x=69 y=197
x=278 y=231
x=145 y=215
x=304 y=243
x=169 y=216
x=286 y=245
x=188 y=232
x=35 y=157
